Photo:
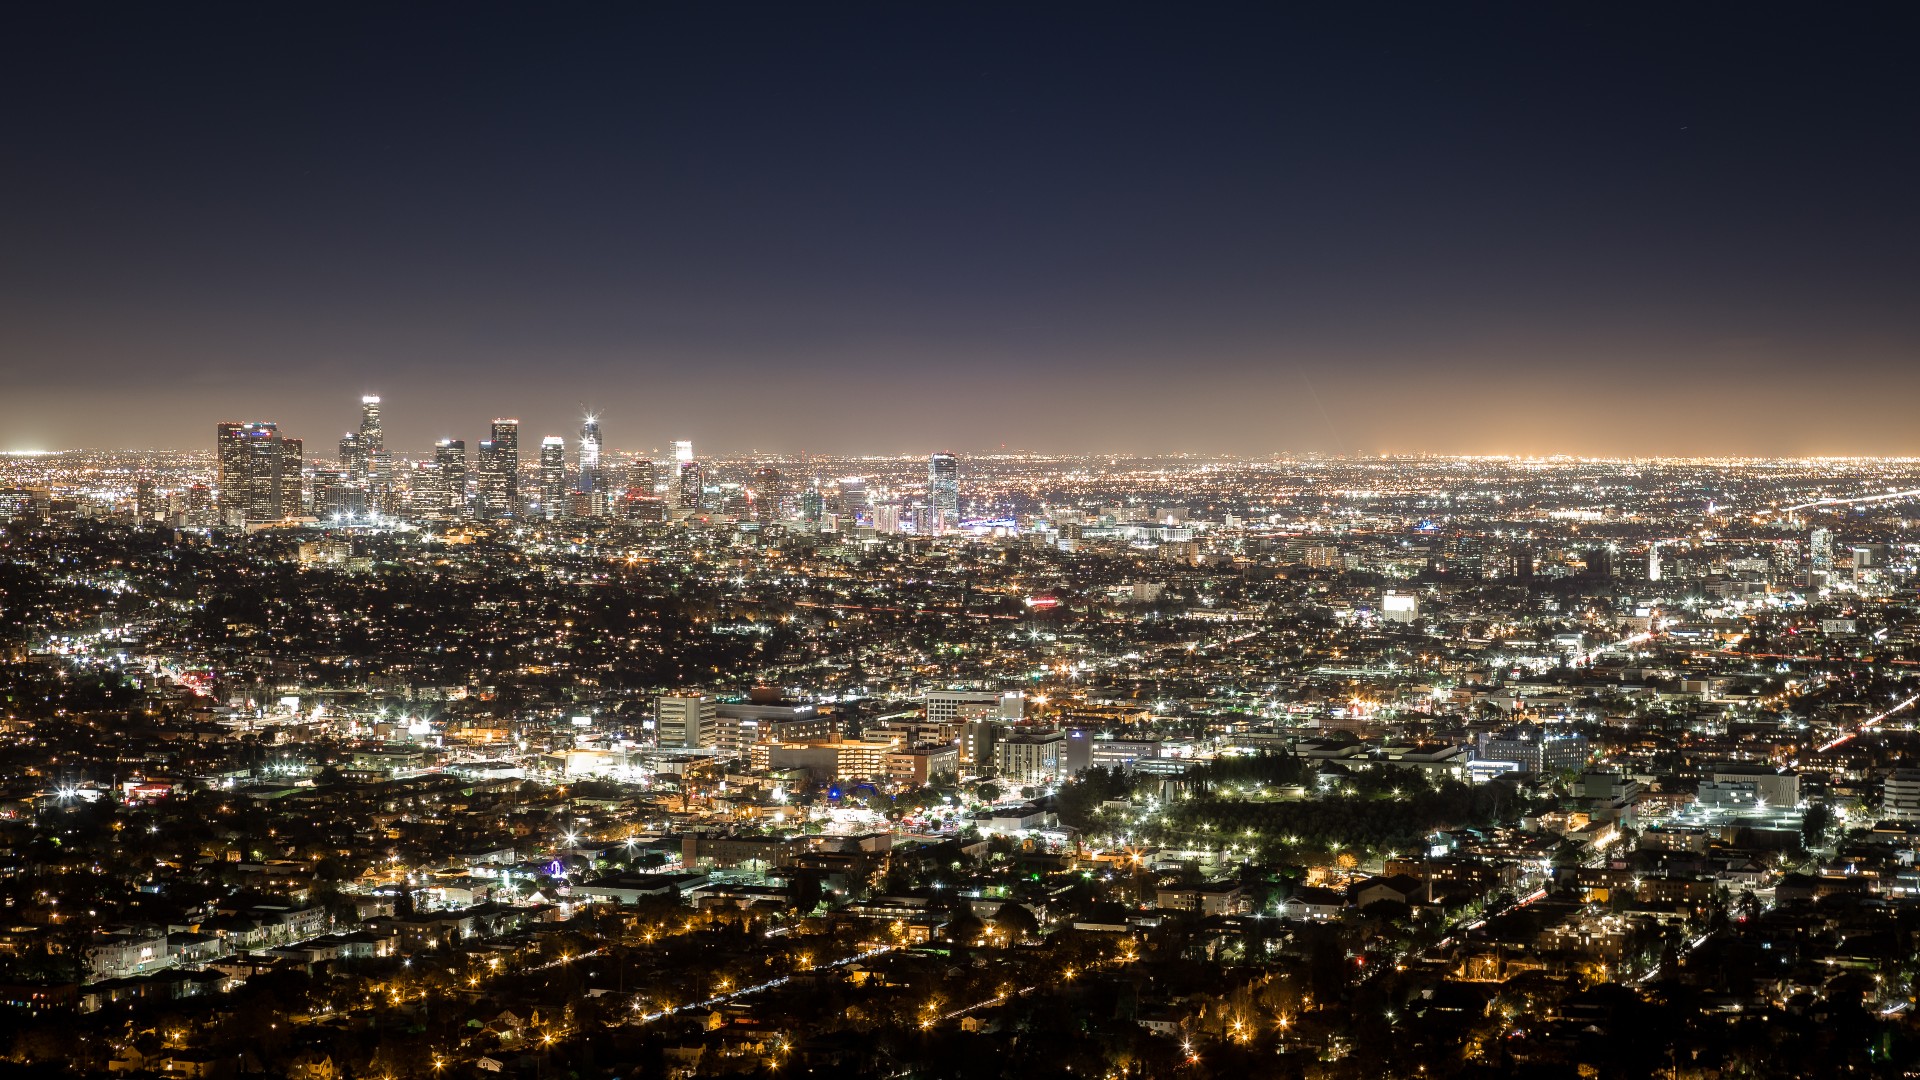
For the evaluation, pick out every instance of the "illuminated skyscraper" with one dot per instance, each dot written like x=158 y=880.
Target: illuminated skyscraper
x=640 y=477
x=689 y=485
x=376 y=470
x=943 y=491
x=1820 y=546
x=553 y=476
x=450 y=459
x=353 y=457
x=851 y=503
x=256 y=469
x=293 y=453
x=500 y=470
x=589 y=455
x=769 y=492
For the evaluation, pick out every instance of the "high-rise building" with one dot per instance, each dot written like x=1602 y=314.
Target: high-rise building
x=769 y=491
x=199 y=505
x=553 y=476
x=943 y=492
x=686 y=721
x=500 y=471
x=293 y=453
x=590 y=456
x=1820 y=545
x=376 y=469
x=353 y=456
x=146 y=503
x=450 y=461
x=640 y=476
x=251 y=463
x=688 y=484
x=1653 y=562
x=851 y=504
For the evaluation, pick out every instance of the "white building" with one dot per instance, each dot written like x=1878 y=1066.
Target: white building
x=686 y=721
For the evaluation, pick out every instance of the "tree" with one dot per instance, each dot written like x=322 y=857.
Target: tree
x=1814 y=825
x=1016 y=922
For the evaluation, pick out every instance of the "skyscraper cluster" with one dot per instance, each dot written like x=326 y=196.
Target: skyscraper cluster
x=263 y=477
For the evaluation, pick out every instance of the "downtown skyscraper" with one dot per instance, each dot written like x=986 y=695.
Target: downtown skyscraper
x=450 y=464
x=258 y=472
x=376 y=468
x=943 y=492
x=590 y=481
x=553 y=476
x=499 y=470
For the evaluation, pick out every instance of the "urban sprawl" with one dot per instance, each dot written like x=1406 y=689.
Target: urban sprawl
x=585 y=762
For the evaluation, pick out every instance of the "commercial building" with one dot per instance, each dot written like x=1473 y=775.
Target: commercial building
x=500 y=470
x=450 y=472
x=686 y=721
x=943 y=492
x=553 y=476
x=1029 y=756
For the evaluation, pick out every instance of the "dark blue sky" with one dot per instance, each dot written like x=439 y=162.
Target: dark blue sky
x=888 y=228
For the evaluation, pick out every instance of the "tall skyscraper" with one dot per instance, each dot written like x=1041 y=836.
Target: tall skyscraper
x=500 y=470
x=553 y=476
x=256 y=469
x=689 y=485
x=640 y=477
x=590 y=456
x=1820 y=545
x=450 y=459
x=293 y=454
x=943 y=491
x=376 y=469
x=851 y=503
x=353 y=457
x=769 y=492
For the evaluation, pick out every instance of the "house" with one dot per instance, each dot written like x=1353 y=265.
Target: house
x=1313 y=903
x=1398 y=888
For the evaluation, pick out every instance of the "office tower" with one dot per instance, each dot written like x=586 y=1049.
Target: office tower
x=1653 y=562
x=500 y=471
x=812 y=504
x=943 y=492
x=450 y=460
x=553 y=476
x=146 y=504
x=688 y=484
x=337 y=497
x=376 y=470
x=852 y=502
x=293 y=453
x=199 y=505
x=250 y=462
x=1821 y=544
x=686 y=721
x=353 y=456
x=769 y=490
x=640 y=477
x=589 y=456
x=1600 y=562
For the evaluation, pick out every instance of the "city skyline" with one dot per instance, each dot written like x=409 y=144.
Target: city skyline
x=1251 y=232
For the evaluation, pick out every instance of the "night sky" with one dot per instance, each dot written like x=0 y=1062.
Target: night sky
x=827 y=227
